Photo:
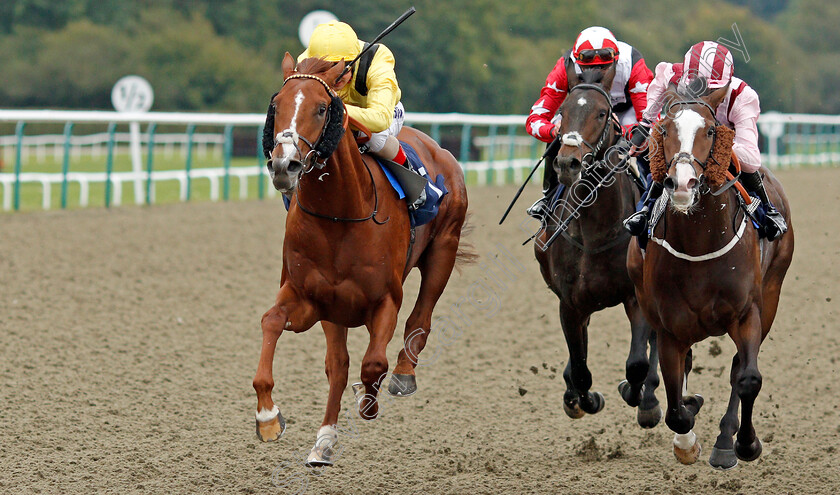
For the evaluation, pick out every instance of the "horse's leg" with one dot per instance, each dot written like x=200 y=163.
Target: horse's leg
x=638 y=368
x=748 y=337
x=435 y=269
x=650 y=412
x=375 y=363
x=680 y=415
x=270 y=423
x=723 y=453
x=337 y=363
x=578 y=399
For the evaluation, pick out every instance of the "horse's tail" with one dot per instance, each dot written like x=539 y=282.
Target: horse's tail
x=466 y=254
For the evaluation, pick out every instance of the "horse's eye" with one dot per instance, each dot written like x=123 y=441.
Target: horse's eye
x=711 y=131
x=602 y=114
x=322 y=109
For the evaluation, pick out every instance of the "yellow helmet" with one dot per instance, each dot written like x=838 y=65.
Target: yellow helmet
x=334 y=41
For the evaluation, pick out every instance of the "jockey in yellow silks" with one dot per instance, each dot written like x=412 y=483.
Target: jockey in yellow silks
x=369 y=90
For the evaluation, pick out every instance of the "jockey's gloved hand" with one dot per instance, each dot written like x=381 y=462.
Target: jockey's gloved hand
x=637 y=136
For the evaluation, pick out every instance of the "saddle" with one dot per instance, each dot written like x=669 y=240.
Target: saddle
x=411 y=183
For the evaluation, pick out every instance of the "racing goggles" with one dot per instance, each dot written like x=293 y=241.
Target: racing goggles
x=595 y=56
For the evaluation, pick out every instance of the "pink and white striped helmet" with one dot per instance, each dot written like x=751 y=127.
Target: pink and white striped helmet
x=711 y=61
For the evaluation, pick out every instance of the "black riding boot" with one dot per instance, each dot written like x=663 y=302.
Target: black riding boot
x=539 y=210
x=774 y=224
x=637 y=223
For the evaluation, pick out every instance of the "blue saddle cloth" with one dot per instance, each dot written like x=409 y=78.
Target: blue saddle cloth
x=435 y=191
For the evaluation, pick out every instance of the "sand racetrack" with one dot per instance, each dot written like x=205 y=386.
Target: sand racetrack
x=129 y=339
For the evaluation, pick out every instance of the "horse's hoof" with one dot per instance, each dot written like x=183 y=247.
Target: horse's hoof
x=626 y=392
x=687 y=447
x=573 y=411
x=319 y=456
x=270 y=425
x=360 y=394
x=693 y=403
x=323 y=454
x=723 y=458
x=648 y=418
x=749 y=453
x=402 y=385
x=598 y=402
x=689 y=455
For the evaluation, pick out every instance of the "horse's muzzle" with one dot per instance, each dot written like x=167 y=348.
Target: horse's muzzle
x=568 y=169
x=284 y=173
x=683 y=190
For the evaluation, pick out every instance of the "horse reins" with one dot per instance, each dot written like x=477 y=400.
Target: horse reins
x=561 y=226
x=313 y=148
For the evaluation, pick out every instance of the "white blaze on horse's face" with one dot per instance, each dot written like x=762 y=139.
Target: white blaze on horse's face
x=581 y=101
x=688 y=122
x=289 y=136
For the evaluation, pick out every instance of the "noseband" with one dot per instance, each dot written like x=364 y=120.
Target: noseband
x=589 y=159
x=686 y=157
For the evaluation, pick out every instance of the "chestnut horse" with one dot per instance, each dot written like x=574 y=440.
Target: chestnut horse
x=706 y=273
x=348 y=247
x=587 y=268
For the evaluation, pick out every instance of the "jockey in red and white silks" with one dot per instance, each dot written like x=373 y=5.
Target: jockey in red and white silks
x=629 y=88
x=595 y=49
x=739 y=110
x=712 y=63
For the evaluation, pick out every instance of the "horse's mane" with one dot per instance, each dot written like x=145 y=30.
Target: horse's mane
x=313 y=65
x=720 y=154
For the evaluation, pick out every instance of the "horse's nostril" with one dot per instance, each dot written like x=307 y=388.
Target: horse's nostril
x=294 y=166
x=693 y=183
x=669 y=183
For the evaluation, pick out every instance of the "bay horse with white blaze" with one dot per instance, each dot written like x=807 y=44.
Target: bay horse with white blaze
x=705 y=273
x=587 y=268
x=348 y=247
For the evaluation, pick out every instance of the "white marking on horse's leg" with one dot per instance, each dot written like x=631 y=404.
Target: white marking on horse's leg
x=685 y=440
x=264 y=415
x=581 y=101
x=327 y=436
x=323 y=452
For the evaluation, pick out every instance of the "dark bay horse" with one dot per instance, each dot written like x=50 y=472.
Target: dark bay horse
x=587 y=268
x=348 y=247
x=706 y=273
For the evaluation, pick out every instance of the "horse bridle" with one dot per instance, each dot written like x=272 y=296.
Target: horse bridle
x=589 y=159
x=320 y=148
x=335 y=125
x=689 y=157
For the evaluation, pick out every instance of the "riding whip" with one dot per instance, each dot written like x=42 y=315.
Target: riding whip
x=550 y=150
x=384 y=33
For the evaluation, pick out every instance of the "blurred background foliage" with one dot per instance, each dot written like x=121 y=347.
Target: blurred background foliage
x=477 y=56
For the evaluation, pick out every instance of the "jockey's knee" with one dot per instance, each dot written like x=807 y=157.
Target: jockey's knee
x=386 y=147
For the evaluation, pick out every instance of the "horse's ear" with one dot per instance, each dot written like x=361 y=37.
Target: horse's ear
x=607 y=81
x=288 y=65
x=571 y=74
x=715 y=97
x=333 y=74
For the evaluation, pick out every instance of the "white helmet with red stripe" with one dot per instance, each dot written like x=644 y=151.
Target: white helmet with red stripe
x=595 y=46
x=711 y=61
